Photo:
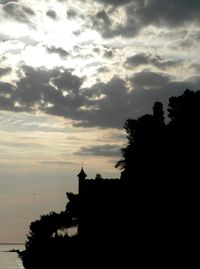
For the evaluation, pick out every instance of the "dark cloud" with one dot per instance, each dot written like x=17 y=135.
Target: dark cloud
x=18 y=12
x=71 y=13
x=107 y=105
x=108 y=53
x=67 y=81
x=4 y=71
x=103 y=69
x=6 y=88
x=148 y=59
x=115 y=2
x=52 y=14
x=6 y=96
x=142 y=13
x=102 y=22
x=35 y=92
x=196 y=67
x=167 y=13
x=60 y=51
x=7 y=1
x=101 y=150
x=185 y=44
x=150 y=79
x=136 y=60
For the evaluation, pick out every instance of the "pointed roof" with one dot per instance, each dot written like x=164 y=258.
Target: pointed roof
x=82 y=174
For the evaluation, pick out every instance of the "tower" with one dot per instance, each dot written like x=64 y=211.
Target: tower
x=81 y=177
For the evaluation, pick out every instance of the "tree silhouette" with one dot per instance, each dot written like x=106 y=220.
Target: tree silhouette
x=160 y=165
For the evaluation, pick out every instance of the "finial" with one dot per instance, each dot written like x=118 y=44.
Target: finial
x=82 y=174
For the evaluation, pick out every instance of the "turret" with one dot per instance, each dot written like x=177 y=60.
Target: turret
x=81 y=176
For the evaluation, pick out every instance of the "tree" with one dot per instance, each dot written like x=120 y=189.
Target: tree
x=145 y=143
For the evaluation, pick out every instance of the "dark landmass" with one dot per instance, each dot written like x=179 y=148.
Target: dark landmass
x=13 y=250
x=148 y=217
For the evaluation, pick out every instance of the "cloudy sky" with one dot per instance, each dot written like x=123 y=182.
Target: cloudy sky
x=71 y=73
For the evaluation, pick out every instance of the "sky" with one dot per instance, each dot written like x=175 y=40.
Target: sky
x=71 y=73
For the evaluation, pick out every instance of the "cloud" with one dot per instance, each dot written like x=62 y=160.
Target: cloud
x=58 y=92
x=6 y=88
x=142 y=13
x=106 y=150
x=102 y=22
x=18 y=12
x=108 y=53
x=56 y=162
x=2 y=2
x=149 y=59
x=60 y=51
x=150 y=79
x=137 y=60
x=71 y=13
x=51 y=14
x=103 y=69
x=4 y=71
x=53 y=91
x=115 y=2
x=19 y=145
x=67 y=81
x=167 y=13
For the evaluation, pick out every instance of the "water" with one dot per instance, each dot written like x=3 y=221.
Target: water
x=10 y=260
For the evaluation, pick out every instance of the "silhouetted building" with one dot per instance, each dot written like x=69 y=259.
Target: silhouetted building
x=100 y=204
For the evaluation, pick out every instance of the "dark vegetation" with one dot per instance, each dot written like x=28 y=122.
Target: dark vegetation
x=148 y=217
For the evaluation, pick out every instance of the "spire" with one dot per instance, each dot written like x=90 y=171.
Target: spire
x=82 y=174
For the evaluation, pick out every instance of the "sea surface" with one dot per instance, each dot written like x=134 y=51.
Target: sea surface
x=10 y=260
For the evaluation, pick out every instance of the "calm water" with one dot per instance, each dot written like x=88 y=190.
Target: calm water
x=10 y=260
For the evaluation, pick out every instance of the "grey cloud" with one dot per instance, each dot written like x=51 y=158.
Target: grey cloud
x=18 y=12
x=6 y=87
x=115 y=2
x=145 y=59
x=103 y=69
x=102 y=15
x=106 y=150
x=120 y=104
x=67 y=81
x=5 y=71
x=24 y=39
x=60 y=51
x=71 y=13
x=107 y=105
x=150 y=79
x=150 y=87
x=168 y=13
x=108 y=53
x=37 y=91
x=142 y=13
x=136 y=60
x=102 y=23
x=7 y=1
x=196 y=67
x=52 y=14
